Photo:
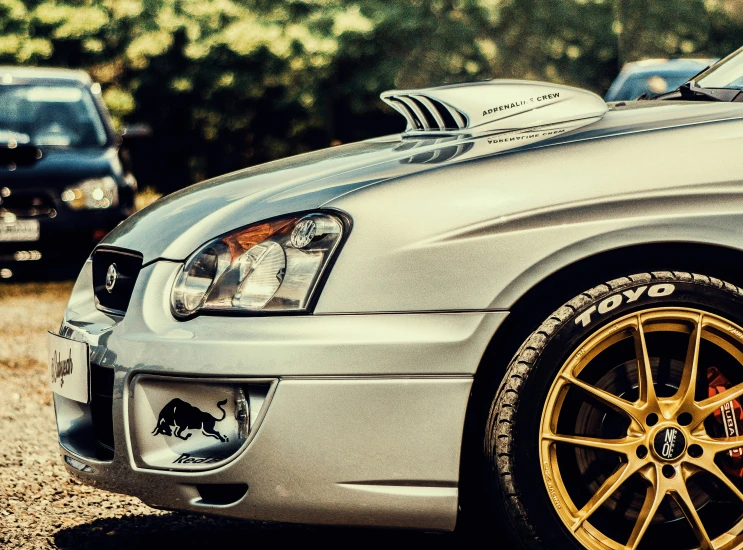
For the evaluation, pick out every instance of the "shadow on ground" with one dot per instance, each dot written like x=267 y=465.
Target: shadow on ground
x=185 y=532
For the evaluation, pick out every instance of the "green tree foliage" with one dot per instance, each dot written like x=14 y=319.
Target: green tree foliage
x=229 y=83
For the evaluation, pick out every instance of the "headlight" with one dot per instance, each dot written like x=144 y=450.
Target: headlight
x=271 y=266
x=93 y=193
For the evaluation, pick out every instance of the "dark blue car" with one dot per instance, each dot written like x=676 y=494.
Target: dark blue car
x=65 y=181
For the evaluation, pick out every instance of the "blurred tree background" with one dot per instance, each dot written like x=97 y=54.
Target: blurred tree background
x=226 y=84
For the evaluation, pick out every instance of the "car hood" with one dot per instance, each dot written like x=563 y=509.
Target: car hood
x=58 y=168
x=175 y=226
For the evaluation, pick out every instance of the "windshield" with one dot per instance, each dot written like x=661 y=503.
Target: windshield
x=728 y=73
x=52 y=116
x=637 y=85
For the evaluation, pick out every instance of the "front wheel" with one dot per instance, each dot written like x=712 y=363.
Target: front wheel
x=619 y=423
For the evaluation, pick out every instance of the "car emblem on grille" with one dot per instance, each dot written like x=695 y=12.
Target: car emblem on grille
x=112 y=276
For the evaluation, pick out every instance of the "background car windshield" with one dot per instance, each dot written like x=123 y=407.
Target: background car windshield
x=652 y=84
x=728 y=74
x=55 y=116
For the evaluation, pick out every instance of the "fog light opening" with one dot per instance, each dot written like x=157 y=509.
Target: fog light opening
x=188 y=425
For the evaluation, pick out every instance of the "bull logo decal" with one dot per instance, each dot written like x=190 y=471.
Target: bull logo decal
x=177 y=416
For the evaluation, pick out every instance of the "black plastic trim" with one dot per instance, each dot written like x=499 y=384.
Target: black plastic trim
x=116 y=302
x=221 y=494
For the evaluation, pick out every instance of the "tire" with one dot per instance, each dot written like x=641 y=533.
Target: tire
x=523 y=459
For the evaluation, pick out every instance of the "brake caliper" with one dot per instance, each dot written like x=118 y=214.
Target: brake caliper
x=729 y=421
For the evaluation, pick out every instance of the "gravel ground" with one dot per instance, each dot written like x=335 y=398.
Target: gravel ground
x=41 y=507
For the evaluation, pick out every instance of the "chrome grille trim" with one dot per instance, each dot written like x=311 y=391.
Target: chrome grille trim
x=127 y=266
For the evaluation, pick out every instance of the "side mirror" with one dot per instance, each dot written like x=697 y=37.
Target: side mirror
x=136 y=131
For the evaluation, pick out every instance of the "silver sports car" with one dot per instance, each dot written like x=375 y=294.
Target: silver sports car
x=525 y=308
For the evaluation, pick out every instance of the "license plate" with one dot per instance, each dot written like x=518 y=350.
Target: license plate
x=69 y=368
x=19 y=230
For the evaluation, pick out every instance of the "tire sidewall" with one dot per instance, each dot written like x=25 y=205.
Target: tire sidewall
x=568 y=335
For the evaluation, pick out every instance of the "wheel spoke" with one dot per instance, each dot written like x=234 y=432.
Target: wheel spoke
x=688 y=384
x=682 y=498
x=653 y=500
x=645 y=375
x=711 y=404
x=617 y=403
x=623 y=446
x=608 y=488
x=715 y=446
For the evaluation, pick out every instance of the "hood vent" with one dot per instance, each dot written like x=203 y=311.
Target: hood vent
x=492 y=106
x=425 y=113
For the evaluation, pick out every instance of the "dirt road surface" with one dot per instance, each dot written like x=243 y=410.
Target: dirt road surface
x=41 y=507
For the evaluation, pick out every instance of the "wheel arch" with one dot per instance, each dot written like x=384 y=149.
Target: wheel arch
x=543 y=296
x=549 y=284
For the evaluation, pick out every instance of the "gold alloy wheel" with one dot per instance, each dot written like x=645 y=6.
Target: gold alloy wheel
x=666 y=443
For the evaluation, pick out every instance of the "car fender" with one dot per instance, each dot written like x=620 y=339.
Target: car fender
x=714 y=232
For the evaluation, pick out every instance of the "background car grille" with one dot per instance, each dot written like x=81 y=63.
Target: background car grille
x=127 y=265
x=28 y=204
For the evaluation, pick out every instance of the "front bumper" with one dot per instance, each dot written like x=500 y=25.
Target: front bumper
x=363 y=424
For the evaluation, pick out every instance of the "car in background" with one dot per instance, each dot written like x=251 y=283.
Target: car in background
x=65 y=181
x=653 y=77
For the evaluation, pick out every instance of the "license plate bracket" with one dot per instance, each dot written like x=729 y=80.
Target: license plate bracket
x=69 y=368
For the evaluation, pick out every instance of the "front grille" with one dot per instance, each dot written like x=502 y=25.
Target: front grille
x=114 y=274
x=101 y=409
x=28 y=204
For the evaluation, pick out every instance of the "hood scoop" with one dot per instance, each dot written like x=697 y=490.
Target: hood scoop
x=492 y=106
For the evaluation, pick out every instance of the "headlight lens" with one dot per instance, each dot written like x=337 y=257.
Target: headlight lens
x=271 y=266
x=92 y=194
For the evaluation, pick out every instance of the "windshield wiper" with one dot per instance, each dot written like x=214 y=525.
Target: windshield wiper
x=690 y=92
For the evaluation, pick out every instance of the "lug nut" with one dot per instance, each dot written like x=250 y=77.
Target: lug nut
x=652 y=419
x=642 y=451
x=668 y=471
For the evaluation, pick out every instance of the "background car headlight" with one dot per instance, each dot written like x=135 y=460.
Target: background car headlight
x=92 y=194
x=270 y=266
